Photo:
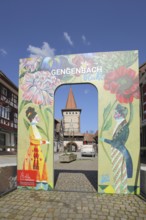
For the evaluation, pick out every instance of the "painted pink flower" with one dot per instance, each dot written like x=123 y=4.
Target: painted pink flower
x=124 y=83
x=30 y=64
x=39 y=87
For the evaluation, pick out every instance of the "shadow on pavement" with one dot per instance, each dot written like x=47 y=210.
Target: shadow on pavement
x=91 y=176
x=6 y=153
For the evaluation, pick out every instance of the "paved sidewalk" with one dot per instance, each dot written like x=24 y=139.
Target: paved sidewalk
x=86 y=163
x=8 y=160
x=41 y=205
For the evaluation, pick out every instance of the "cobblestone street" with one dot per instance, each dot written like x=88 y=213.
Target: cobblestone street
x=55 y=205
x=74 y=197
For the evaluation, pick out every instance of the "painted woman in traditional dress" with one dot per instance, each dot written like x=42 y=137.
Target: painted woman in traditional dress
x=121 y=159
x=34 y=159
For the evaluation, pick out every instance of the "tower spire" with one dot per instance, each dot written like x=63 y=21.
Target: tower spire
x=71 y=103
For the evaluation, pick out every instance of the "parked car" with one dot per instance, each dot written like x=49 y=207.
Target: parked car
x=88 y=150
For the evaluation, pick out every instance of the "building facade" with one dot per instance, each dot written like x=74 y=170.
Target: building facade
x=142 y=71
x=8 y=112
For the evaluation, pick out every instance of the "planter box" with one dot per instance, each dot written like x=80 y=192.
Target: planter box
x=8 y=179
x=66 y=158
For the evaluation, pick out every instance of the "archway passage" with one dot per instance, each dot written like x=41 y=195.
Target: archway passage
x=76 y=112
x=71 y=147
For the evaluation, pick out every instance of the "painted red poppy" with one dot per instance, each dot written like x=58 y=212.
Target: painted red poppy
x=124 y=83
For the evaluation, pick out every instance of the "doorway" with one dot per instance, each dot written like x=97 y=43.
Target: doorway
x=76 y=125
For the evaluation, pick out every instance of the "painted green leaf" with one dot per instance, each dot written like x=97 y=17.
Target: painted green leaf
x=46 y=116
x=57 y=59
x=22 y=75
x=48 y=110
x=131 y=113
x=41 y=130
x=50 y=63
x=46 y=120
x=27 y=124
x=67 y=77
x=22 y=104
x=108 y=125
x=115 y=60
x=106 y=111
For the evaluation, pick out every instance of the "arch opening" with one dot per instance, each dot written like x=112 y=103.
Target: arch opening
x=76 y=126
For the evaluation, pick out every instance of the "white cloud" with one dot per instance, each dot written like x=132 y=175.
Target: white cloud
x=3 y=52
x=68 y=38
x=44 y=51
x=85 y=40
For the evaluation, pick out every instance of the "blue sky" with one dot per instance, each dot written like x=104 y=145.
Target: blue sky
x=86 y=97
x=56 y=27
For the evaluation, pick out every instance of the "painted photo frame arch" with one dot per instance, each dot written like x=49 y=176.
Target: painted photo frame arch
x=116 y=77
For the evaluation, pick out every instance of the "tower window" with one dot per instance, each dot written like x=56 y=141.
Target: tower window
x=4 y=91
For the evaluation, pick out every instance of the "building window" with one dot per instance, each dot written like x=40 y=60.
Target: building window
x=2 y=139
x=15 y=139
x=15 y=120
x=4 y=91
x=144 y=88
x=4 y=113
x=15 y=99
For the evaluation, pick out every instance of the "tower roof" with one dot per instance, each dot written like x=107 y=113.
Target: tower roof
x=71 y=103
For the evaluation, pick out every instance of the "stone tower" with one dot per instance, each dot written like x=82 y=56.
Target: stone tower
x=73 y=139
x=71 y=115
